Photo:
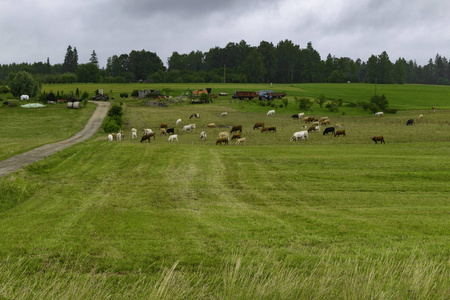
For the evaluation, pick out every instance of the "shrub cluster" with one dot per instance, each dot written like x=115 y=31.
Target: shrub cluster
x=113 y=120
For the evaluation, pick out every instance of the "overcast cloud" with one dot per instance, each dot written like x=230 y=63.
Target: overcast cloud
x=32 y=30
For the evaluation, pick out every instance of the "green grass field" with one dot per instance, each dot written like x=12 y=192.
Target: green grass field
x=328 y=218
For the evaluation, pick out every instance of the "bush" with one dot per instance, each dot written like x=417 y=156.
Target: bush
x=304 y=103
x=135 y=93
x=332 y=106
x=110 y=126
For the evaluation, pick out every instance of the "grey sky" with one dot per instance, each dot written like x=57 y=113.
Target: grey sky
x=32 y=30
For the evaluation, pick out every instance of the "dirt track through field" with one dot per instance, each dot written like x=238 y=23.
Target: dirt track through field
x=19 y=161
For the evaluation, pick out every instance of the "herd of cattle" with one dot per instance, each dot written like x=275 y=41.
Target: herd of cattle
x=312 y=124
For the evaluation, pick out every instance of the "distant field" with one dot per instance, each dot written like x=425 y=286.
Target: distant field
x=328 y=218
x=400 y=96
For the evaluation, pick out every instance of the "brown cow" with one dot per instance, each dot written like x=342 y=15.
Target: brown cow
x=222 y=140
x=339 y=132
x=236 y=136
x=163 y=125
x=147 y=137
x=258 y=125
x=379 y=138
x=194 y=116
x=236 y=128
x=273 y=129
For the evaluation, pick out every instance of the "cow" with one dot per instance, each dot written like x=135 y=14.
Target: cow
x=295 y=116
x=377 y=139
x=170 y=130
x=328 y=130
x=194 y=116
x=410 y=122
x=379 y=114
x=271 y=113
x=236 y=136
x=236 y=128
x=222 y=140
x=147 y=137
x=258 y=125
x=339 y=132
x=299 y=135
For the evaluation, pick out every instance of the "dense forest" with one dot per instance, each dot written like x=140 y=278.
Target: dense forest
x=236 y=63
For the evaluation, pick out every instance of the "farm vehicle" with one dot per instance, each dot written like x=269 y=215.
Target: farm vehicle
x=242 y=95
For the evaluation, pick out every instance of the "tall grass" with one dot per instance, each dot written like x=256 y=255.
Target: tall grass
x=236 y=277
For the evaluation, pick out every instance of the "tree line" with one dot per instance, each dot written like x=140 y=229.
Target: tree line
x=240 y=62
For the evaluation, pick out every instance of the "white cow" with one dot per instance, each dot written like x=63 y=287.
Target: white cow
x=110 y=137
x=133 y=133
x=146 y=131
x=299 y=135
x=224 y=114
x=178 y=122
x=173 y=137
x=301 y=115
x=379 y=114
x=203 y=135
x=271 y=113
x=185 y=128
x=119 y=136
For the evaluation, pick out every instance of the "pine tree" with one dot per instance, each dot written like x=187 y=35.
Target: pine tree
x=94 y=60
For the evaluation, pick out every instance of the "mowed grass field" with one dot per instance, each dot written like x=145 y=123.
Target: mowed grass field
x=328 y=218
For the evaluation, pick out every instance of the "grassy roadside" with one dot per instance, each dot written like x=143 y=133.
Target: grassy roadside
x=25 y=129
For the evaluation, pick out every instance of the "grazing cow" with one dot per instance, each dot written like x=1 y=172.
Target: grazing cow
x=323 y=118
x=173 y=137
x=146 y=131
x=162 y=131
x=202 y=135
x=146 y=137
x=194 y=116
x=339 y=132
x=185 y=128
x=377 y=139
x=410 y=122
x=224 y=134
x=110 y=137
x=119 y=136
x=133 y=133
x=163 y=125
x=299 y=135
x=328 y=130
x=379 y=114
x=301 y=115
x=240 y=141
x=178 y=122
x=224 y=114
x=337 y=126
x=433 y=109
x=295 y=116
x=325 y=122
x=236 y=136
x=272 y=129
x=222 y=140
x=236 y=128
x=309 y=119
x=314 y=128
x=211 y=125
x=271 y=113
x=420 y=117
x=170 y=130
x=258 y=125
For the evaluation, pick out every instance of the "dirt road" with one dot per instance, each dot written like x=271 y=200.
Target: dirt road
x=17 y=162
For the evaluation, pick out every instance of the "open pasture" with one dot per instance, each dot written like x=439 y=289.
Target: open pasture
x=332 y=217
x=28 y=128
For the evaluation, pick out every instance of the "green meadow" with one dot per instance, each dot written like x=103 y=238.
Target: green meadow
x=326 y=218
